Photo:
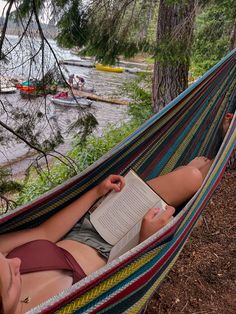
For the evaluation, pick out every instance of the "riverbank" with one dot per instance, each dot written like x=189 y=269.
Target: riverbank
x=202 y=281
x=107 y=85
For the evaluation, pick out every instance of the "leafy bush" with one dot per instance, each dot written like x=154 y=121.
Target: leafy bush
x=8 y=189
x=85 y=153
x=139 y=90
x=6 y=184
x=212 y=35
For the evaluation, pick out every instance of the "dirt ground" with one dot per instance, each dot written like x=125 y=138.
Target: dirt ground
x=203 y=280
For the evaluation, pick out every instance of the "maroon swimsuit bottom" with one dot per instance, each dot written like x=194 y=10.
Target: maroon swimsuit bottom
x=39 y=255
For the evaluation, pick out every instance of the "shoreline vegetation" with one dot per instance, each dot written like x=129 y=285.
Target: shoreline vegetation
x=84 y=154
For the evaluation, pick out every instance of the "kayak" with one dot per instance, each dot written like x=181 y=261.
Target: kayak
x=108 y=68
x=27 y=88
x=71 y=101
x=25 y=85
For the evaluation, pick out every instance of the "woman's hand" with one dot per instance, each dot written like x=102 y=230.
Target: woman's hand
x=154 y=221
x=113 y=182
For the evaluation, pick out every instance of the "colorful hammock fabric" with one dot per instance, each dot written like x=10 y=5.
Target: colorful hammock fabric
x=188 y=127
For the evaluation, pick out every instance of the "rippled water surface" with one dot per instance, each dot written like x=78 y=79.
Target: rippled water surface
x=104 y=83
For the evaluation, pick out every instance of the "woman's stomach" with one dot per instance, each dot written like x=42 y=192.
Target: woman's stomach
x=87 y=257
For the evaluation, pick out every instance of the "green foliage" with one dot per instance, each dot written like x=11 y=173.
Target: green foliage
x=95 y=147
x=8 y=188
x=74 y=23
x=140 y=92
x=87 y=152
x=26 y=6
x=84 y=154
x=6 y=184
x=212 y=35
x=39 y=184
x=107 y=30
x=150 y=60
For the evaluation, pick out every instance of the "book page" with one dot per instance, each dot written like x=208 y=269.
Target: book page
x=131 y=238
x=120 y=211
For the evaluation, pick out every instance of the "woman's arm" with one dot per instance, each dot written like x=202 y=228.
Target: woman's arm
x=59 y=224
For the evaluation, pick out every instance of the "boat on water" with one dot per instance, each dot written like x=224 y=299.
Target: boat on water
x=109 y=68
x=33 y=89
x=32 y=93
x=26 y=85
x=7 y=89
x=80 y=63
x=63 y=99
x=84 y=89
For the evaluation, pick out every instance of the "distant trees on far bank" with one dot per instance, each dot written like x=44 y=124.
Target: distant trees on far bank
x=50 y=31
x=177 y=33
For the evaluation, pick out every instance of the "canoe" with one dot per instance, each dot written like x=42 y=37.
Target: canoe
x=71 y=102
x=108 y=68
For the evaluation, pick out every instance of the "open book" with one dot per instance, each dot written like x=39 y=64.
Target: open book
x=118 y=218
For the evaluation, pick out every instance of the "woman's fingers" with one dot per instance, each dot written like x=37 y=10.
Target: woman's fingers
x=113 y=182
x=117 y=182
x=168 y=213
x=165 y=216
x=158 y=214
x=154 y=220
x=151 y=214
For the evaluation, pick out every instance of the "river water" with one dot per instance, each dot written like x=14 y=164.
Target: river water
x=104 y=83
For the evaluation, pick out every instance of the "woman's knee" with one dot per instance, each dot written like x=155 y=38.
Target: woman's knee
x=194 y=178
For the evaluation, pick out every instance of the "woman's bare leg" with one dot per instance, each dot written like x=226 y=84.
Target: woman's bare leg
x=203 y=164
x=179 y=185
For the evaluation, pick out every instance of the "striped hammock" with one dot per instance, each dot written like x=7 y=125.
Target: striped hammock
x=188 y=127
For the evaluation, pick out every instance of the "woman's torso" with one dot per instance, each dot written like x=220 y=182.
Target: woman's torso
x=50 y=282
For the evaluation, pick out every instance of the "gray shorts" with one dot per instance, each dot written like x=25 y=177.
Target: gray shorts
x=84 y=232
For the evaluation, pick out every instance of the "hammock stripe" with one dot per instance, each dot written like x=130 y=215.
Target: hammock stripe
x=188 y=127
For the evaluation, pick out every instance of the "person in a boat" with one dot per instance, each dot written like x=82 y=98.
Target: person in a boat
x=80 y=82
x=38 y=263
x=71 y=79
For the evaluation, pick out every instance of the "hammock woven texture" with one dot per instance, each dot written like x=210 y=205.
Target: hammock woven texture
x=188 y=127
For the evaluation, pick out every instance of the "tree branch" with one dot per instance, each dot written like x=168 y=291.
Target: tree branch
x=4 y=29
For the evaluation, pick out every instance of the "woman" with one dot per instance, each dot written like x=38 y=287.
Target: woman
x=51 y=260
x=22 y=291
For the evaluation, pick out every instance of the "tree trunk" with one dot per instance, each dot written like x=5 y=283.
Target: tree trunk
x=174 y=41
